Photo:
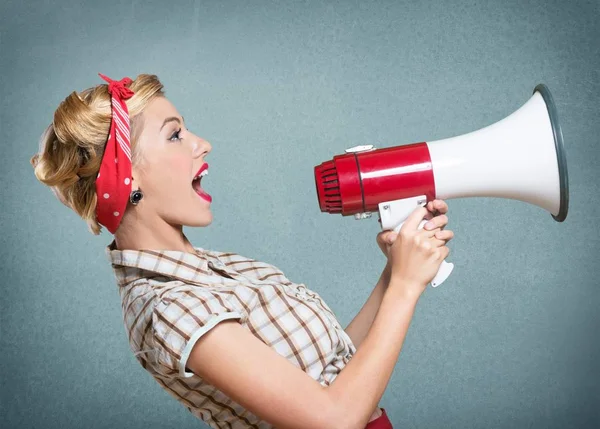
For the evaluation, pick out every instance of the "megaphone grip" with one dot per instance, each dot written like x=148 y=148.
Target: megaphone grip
x=442 y=274
x=445 y=268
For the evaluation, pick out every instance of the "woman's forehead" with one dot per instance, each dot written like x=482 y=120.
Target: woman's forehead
x=158 y=110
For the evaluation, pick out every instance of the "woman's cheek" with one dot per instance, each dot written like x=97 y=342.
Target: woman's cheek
x=178 y=169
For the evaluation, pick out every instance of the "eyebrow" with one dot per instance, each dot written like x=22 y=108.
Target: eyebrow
x=171 y=119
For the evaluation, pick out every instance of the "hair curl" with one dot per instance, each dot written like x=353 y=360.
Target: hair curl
x=71 y=148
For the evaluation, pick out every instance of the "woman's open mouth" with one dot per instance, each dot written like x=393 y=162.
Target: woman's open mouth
x=196 y=183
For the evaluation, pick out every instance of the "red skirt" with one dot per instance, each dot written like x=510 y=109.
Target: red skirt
x=381 y=422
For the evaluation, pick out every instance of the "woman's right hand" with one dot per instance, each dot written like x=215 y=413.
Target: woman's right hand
x=416 y=254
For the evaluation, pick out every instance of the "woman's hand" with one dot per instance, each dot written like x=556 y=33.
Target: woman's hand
x=416 y=254
x=385 y=239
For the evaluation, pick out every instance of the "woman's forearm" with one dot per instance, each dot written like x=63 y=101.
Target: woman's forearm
x=359 y=327
x=358 y=388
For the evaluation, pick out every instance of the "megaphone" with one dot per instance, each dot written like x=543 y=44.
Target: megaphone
x=520 y=157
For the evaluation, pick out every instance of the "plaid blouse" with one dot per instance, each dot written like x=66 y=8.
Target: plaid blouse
x=171 y=298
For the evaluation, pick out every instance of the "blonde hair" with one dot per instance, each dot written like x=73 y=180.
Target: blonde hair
x=71 y=148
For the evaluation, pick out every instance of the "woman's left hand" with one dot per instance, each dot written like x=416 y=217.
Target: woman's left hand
x=386 y=238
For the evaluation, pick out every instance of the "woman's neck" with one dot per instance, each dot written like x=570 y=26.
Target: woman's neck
x=138 y=234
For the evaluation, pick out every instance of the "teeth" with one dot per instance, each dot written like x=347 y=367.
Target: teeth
x=204 y=173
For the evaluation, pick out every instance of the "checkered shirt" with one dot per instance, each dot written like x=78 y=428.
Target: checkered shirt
x=171 y=298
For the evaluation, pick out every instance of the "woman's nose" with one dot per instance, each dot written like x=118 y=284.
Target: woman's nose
x=207 y=145
x=201 y=146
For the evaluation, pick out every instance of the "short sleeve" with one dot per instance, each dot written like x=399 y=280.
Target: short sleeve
x=181 y=317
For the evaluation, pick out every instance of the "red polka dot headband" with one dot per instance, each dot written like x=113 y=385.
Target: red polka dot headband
x=113 y=184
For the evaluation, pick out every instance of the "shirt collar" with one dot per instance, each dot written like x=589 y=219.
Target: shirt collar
x=131 y=265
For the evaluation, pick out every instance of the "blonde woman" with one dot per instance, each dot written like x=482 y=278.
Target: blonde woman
x=231 y=338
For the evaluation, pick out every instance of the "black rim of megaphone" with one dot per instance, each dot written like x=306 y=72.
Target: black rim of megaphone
x=560 y=152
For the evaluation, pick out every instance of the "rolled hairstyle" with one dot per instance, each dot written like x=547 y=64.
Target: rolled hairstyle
x=71 y=148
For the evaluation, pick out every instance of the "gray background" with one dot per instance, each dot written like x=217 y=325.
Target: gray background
x=509 y=341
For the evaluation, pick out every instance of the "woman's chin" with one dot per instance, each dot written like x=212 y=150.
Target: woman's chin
x=204 y=220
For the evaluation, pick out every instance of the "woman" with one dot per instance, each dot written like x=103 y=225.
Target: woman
x=231 y=338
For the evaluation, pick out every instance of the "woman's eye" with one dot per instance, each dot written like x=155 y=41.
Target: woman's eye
x=175 y=135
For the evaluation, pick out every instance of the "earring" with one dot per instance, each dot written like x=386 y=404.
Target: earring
x=136 y=196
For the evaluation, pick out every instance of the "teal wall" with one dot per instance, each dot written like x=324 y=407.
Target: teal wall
x=509 y=341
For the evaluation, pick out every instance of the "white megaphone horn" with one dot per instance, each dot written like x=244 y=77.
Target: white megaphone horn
x=520 y=157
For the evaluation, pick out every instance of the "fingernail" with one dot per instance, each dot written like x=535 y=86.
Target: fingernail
x=429 y=225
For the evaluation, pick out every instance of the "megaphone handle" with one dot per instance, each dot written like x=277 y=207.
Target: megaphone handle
x=445 y=268
x=442 y=274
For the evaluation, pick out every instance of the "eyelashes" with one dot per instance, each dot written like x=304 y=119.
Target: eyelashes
x=175 y=136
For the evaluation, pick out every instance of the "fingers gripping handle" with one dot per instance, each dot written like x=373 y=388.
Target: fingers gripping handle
x=445 y=268
x=392 y=215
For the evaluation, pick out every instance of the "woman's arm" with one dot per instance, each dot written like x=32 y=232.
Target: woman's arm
x=267 y=384
x=233 y=360
x=359 y=327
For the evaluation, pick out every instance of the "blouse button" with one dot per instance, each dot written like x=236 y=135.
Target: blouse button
x=300 y=291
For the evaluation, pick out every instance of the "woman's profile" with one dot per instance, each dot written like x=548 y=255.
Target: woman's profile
x=229 y=337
